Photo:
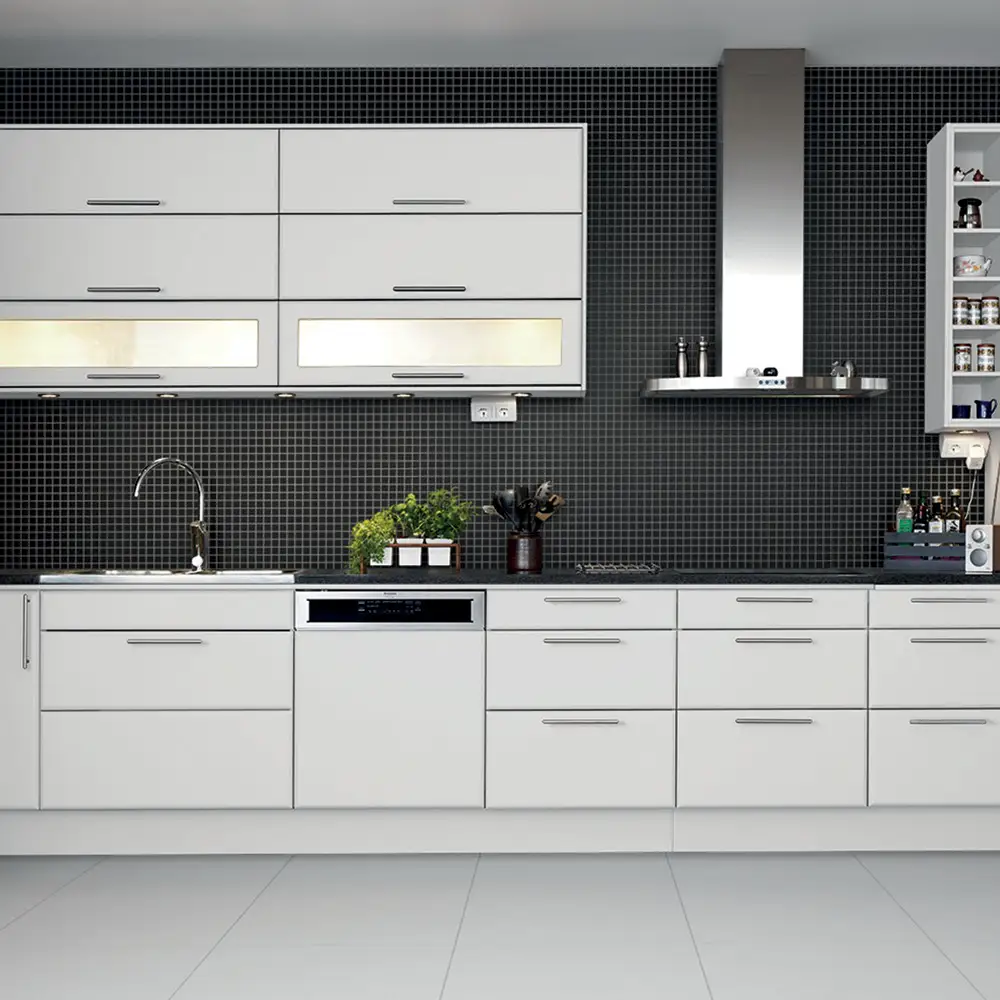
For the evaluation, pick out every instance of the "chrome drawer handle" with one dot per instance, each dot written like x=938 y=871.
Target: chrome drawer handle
x=949 y=722
x=774 y=600
x=774 y=722
x=125 y=202
x=124 y=289
x=428 y=375
x=165 y=642
x=938 y=640
x=581 y=722
x=949 y=600
x=429 y=201
x=782 y=641
x=25 y=653
x=585 y=642
x=123 y=375
x=429 y=288
x=582 y=600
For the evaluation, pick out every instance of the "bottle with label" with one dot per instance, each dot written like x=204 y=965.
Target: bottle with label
x=935 y=523
x=954 y=520
x=921 y=521
x=904 y=511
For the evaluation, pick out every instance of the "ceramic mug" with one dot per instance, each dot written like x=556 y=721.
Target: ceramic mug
x=961 y=411
x=972 y=265
x=985 y=408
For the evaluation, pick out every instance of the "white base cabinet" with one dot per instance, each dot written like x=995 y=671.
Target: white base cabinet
x=18 y=700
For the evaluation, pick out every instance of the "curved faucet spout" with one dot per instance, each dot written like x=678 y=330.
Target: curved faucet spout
x=199 y=529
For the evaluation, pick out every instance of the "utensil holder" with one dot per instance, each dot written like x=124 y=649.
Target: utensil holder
x=524 y=553
x=906 y=552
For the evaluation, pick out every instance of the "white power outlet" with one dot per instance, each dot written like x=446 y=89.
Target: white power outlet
x=494 y=409
x=970 y=445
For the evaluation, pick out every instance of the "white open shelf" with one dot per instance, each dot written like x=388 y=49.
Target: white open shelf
x=975 y=374
x=976 y=184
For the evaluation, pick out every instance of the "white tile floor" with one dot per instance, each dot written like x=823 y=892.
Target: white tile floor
x=636 y=927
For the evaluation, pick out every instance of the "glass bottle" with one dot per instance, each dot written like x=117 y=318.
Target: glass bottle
x=904 y=511
x=920 y=521
x=954 y=520
x=935 y=523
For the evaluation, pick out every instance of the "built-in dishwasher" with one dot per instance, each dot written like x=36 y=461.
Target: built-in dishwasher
x=389 y=699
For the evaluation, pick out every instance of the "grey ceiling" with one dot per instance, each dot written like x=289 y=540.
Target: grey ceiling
x=491 y=32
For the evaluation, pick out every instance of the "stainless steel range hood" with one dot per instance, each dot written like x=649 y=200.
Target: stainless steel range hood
x=761 y=180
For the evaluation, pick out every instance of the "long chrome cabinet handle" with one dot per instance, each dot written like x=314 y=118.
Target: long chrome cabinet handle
x=945 y=640
x=949 y=600
x=123 y=375
x=583 y=642
x=949 y=722
x=124 y=289
x=165 y=642
x=429 y=201
x=781 y=641
x=774 y=600
x=581 y=722
x=429 y=288
x=125 y=202
x=25 y=643
x=774 y=722
x=582 y=600
x=428 y=375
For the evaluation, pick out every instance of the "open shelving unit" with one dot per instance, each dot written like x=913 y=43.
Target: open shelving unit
x=966 y=146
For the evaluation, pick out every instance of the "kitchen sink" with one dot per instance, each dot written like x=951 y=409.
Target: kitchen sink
x=159 y=576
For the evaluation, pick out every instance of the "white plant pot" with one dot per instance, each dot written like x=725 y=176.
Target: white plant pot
x=384 y=560
x=439 y=557
x=409 y=553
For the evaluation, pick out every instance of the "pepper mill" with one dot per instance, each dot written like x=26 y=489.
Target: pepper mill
x=703 y=357
x=682 y=358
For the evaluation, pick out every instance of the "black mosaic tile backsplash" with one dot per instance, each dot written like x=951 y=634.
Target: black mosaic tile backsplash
x=774 y=483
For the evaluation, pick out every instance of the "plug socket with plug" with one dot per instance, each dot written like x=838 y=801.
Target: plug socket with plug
x=970 y=445
x=494 y=409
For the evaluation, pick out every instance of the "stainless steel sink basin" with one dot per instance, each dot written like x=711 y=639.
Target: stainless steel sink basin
x=161 y=576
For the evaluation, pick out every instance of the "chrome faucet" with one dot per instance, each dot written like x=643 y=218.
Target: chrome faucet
x=199 y=529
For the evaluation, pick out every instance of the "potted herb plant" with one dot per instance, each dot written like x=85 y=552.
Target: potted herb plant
x=370 y=540
x=447 y=516
x=409 y=517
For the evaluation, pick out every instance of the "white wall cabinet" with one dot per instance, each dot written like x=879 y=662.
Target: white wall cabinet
x=389 y=719
x=18 y=700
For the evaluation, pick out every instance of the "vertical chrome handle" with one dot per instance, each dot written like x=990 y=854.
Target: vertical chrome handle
x=25 y=643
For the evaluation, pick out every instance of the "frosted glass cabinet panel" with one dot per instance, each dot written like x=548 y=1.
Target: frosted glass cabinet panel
x=431 y=343
x=128 y=344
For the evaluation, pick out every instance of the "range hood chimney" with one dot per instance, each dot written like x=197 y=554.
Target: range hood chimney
x=761 y=180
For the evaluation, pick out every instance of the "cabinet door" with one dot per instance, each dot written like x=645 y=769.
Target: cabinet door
x=413 y=345
x=148 y=170
x=431 y=169
x=138 y=344
x=388 y=719
x=51 y=257
x=18 y=700
x=432 y=256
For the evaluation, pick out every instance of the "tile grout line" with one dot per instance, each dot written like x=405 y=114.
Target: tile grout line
x=913 y=920
x=229 y=929
x=54 y=892
x=458 y=932
x=694 y=941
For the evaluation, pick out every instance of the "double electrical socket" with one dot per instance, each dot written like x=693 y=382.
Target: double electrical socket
x=970 y=445
x=494 y=409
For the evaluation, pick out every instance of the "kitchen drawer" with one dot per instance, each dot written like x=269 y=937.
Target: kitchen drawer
x=580 y=669
x=773 y=608
x=139 y=257
x=821 y=668
x=934 y=758
x=579 y=760
x=938 y=669
x=432 y=170
x=582 y=607
x=432 y=256
x=166 y=170
x=128 y=610
x=166 y=760
x=943 y=607
x=774 y=758
x=168 y=670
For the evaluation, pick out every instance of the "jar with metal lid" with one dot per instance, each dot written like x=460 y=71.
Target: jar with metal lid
x=991 y=310
x=960 y=310
x=963 y=357
x=975 y=312
x=986 y=358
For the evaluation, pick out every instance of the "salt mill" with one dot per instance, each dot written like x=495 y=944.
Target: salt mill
x=682 y=358
x=703 y=357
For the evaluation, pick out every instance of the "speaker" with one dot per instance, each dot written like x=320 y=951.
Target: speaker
x=980 y=541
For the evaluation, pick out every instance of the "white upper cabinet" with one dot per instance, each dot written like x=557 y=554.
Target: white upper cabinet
x=49 y=257
x=147 y=170
x=431 y=256
x=474 y=169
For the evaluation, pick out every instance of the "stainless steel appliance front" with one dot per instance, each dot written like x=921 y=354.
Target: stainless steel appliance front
x=396 y=610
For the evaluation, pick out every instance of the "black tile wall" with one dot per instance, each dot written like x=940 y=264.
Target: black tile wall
x=693 y=483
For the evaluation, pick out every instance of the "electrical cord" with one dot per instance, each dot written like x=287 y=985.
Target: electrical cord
x=972 y=495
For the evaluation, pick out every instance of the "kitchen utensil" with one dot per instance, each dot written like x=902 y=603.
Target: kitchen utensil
x=972 y=265
x=544 y=490
x=503 y=500
x=985 y=408
x=524 y=553
x=969 y=216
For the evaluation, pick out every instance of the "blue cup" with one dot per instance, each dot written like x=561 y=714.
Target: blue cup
x=985 y=408
x=961 y=411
